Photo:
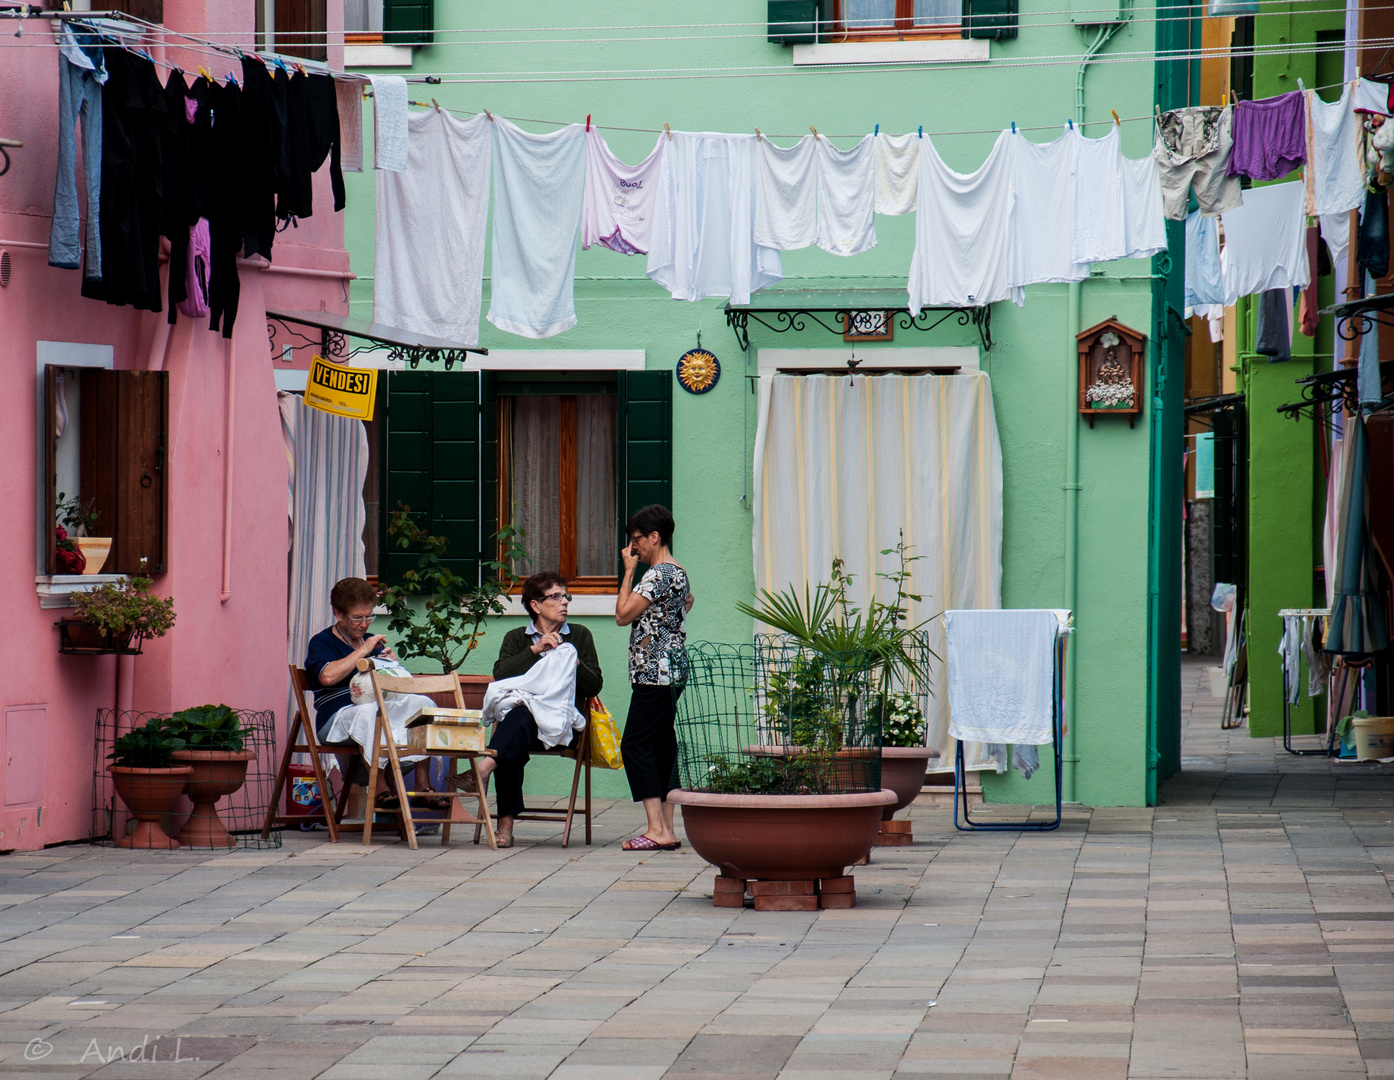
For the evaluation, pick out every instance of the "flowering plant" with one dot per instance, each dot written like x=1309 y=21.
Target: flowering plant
x=126 y=607
x=69 y=556
x=1110 y=395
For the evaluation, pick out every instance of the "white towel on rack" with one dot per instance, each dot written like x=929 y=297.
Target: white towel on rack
x=389 y=122
x=1001 y=667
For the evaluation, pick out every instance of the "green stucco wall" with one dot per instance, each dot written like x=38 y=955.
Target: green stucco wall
x=619 y=308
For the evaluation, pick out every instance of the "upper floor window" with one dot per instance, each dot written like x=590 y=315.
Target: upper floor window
x=391 y=22
x=293 y=28
x=873 y=20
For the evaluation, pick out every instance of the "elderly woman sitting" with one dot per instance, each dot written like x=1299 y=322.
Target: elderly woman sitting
x=331 y=661
x=544 y=598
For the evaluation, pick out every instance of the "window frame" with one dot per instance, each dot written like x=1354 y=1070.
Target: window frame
x=903 y=29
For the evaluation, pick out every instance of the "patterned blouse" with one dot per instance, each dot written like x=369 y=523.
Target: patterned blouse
x=659 y=629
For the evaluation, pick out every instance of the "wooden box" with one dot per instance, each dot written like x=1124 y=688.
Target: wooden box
x=1110 y=371
x=446 y=729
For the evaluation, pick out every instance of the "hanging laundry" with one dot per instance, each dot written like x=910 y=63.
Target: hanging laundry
x=1042 y=234
x=1192 y=151
x=133 y=122
x=1368 y=383
x=1372 y=97
x=704 y=221
x=1270 y=137
x=389 y=122
x=1100 y=206
x=227 y=210
x=266 y=169
x=846 y=197
x=1266 y=241
x=1311 y=301
x=786 y=194
x=1372 y=249
x=897 y=172
x=349 y=96
x=1144 y=216
x=539 y=185
x=1214 y=315
x=1335 y=231
x=1204 y=284
x=617 y=212
x=81 y=73
x=312 y=128
x=428 y=269
x=1273 y=336
x=178 y=186
x=1335 y=183
x=962 y=225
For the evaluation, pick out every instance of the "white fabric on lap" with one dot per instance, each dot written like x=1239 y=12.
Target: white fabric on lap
x=356 y=723
x=547 y=690
x=1002 y=674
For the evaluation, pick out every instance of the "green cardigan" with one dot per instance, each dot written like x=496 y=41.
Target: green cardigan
x=516 y=656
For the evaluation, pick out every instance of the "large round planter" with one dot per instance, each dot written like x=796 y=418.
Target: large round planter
x=903 y=771
x=781 y=837
x=148 y=795
x=95 y=550
x=216 y=773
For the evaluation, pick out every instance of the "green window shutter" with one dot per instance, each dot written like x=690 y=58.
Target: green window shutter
x=488 y=464
x=645 y=458
x=994 y=19
x=431 y=464
x=793 y=22
x=408 y=22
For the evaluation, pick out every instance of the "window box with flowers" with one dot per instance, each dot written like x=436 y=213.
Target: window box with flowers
x=115 y=617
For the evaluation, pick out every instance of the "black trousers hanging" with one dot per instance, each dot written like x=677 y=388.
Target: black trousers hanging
x=515 y=737
x=649 y=744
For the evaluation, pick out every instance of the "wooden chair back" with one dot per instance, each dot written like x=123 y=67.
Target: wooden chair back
x=434 y=686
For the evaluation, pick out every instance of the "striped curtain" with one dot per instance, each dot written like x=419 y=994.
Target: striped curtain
x=328 y=458
x=842 y=466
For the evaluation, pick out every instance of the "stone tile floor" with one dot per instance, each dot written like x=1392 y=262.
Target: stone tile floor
x=1242 y=928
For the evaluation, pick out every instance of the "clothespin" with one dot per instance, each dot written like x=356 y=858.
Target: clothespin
x=232 y=78
x=1158 y=110
x=814 y=130
x=1071 y=123
x=668 y=131
x=1115 y=117
x=877 y=131
x=1013 y=127
x=300 y=68
x=489 y=115
x=758 y=136
x=435 y=104
x=204 y=72
x=922 y=130
x=588 y=121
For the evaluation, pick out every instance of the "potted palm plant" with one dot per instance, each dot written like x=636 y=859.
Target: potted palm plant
x=214 y=748
x=145 y=775
x=116 y=617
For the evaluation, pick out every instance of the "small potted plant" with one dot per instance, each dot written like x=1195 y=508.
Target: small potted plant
x=214 y=740
x=116 y=616
x=145 y=775
x=904 y=758
x=76 y=520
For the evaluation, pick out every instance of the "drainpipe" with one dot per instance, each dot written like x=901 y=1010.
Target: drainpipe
x=226 y=594
x=1069 y=756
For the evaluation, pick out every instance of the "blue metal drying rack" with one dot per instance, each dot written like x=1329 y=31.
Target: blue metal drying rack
x=1057 y=721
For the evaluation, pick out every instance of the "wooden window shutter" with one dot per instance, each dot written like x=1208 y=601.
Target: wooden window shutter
x=124 y=416
x=301 y=29
x=489 y=508
x=408 y=22
x=645 y=458
x=149 y=10
x=431 y=463
x=994 y=19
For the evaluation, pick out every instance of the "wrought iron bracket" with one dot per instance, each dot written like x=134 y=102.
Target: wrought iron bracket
x=1355 y=318
x=334 y=345
x=1339 y=387
x=782 y=320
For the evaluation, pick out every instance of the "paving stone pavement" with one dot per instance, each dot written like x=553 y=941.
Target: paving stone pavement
x=1242 y=928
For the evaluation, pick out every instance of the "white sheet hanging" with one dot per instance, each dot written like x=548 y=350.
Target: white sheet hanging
x=897 y=172
x=841 y=468
x=1266 y=241
x=1044 y=230
x=962 y=222
x=428 y=267
x=846 y=197
x=1002 y=675
x=703 y=241
x=786 y=194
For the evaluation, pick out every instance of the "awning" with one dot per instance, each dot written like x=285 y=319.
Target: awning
x=871 y=313
x=403 y=345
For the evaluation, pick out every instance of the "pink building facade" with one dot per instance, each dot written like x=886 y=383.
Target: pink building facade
x=224 y=450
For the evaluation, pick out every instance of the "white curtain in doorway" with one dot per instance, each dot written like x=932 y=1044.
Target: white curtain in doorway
x=328 y=464
x=843 y=466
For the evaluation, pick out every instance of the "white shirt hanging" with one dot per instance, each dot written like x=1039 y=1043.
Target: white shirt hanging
x=1266 y=241
x=1043 y=218
x=617 y=212
x=1335 y=183
x=1100 y=217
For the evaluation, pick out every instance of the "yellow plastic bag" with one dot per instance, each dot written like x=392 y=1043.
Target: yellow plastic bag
x=605 y=738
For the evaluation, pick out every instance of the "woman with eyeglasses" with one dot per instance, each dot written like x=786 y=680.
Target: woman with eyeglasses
x=515 y=736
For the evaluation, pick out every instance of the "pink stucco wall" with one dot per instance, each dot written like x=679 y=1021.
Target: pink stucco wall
x=231 y=651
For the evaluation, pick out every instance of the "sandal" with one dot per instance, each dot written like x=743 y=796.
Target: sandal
x=647 y=843
x=503 y=839
x=387 y=801
x=435 y=803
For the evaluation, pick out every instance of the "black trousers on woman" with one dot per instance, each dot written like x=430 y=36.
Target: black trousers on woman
x=515 y=736
x=649 y=744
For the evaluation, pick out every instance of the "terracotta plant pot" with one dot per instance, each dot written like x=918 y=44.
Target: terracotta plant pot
x=903 y=771
x=148 y=795
x=216 y=773
x=782 y=837
x=95 y=550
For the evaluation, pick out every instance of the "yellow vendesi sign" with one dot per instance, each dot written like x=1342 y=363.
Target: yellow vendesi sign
x=342 y=390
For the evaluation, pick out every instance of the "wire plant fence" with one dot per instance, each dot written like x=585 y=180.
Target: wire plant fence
x=780 y=718
x=243 y=812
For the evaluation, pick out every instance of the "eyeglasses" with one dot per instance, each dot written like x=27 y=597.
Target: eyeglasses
x=560 y=597
x=364 y=619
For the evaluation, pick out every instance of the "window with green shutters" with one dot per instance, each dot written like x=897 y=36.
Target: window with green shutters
x=408 y=22
x=451 y=448
x=804 y=22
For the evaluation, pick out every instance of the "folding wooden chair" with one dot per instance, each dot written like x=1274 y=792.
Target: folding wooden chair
x=580 y=752
x=300 y=739
x=384 y=745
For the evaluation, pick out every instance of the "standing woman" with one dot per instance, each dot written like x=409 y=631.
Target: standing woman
x=655 y=610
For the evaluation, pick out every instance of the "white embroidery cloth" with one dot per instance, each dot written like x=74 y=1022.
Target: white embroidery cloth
x=357 y=722
x=548 y=689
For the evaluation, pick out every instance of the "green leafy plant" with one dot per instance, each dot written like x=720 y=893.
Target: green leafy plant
x=902 y=719
x=121 y=608
x=210 y=727
x=809 y=774
x=447 y=620
x=76 y=515
x=148 y=747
